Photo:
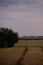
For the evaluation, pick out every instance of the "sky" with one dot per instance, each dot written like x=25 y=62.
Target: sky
x=22 y=16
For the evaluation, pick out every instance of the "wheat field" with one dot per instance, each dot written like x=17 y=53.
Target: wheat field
x=25 y=52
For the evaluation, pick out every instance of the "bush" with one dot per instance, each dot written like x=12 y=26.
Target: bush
x=7 y=37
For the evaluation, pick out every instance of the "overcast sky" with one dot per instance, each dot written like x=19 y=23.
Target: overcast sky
x=23 y=16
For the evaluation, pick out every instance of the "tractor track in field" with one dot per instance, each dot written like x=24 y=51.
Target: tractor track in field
x=19 y=62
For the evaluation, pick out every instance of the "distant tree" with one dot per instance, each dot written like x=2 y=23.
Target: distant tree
x=7 y=37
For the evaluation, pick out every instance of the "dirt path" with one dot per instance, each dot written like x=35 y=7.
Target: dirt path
x=33 y=57
x=30 y=56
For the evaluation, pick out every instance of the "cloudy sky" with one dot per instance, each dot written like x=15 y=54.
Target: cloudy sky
x=23 y=16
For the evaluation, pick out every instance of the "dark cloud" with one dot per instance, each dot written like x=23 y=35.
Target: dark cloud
x=31 y=3
x=14 y=1
x=19 y=1
x=3 y=1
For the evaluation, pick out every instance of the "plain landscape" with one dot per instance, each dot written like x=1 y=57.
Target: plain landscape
x=26 y=18
x=25 y=52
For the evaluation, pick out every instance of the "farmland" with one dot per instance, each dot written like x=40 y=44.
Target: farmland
x=30 y=43
x=25 y=52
